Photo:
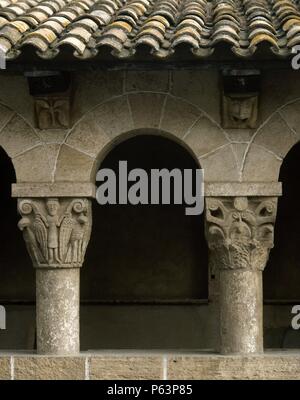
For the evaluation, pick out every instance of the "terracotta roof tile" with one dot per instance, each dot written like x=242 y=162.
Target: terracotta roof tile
x=91 y=27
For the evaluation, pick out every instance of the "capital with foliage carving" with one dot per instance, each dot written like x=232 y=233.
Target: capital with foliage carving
x=240 y=231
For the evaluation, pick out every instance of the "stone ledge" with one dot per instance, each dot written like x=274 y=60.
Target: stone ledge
x=86 y=189
x=258 y=367
x=126 y=367
x=58 y=189
x=5 y=368
x=117 y=365
x=228 y=189
x=49 y=368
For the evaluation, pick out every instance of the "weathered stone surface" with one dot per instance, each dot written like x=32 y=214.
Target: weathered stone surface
x=241 y=322
x=200 y=88
x=49 y=368
x=52 y=135
x=276 y=136
x=267 y=367
x=240 y=234
x=146 y=109
x=147 y=81
x=56 y=189
x=93 y=88
x=190 y=89
x=220 y=165
x=5 y=115
x=291 y=114
x=56 y=233
x=178 y=116
x=239 y=111
x=276 y=90
x=87 y=136
x=57 y=309
x=271 y=365
x=205 y=136
x=260 y=165
x=99 y=128
x=126 y=367
x=4 y=368
x=240 y=135
x=56 y=230
x=37 y=164
x=18 y=136
x=243 y=189
x=73 y=165
x=114 y=116
x=239 y=150
x=240 y=231
x=15 y=95
x=53 y=111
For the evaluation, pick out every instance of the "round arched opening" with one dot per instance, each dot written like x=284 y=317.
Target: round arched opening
x=282 y=274
x=146 y=269
x=17 y=287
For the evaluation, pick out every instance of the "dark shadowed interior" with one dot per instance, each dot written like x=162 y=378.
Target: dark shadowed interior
x=146 y=252
x=17 y=274
x=282 y=273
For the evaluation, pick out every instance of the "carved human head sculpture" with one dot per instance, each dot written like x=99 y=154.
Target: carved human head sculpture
x=52 y=206
x=240 y=111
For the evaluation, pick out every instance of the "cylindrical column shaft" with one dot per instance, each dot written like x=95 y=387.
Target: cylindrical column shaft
x=241 y=311
x=240 y=235
x=57 y=310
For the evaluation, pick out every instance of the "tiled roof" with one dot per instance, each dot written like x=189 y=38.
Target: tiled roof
x=122 y=27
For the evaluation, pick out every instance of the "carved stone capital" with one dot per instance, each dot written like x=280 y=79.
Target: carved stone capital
x=56 y=231
x=240 y=231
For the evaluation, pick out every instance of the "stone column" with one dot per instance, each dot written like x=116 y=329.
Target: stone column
x=240 y=232
x=56 y=232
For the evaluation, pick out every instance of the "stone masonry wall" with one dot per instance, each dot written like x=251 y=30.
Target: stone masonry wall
x=142 y=366
x=109 y=107
x=184 y=105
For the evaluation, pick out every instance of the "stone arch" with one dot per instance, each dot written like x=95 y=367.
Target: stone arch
x=126 y=115
x=24 y=146
x=271 y=143
x=146 y=252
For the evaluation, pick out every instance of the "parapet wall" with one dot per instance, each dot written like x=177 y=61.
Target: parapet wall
x=153 y=366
